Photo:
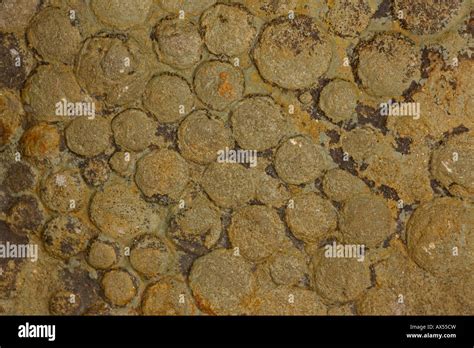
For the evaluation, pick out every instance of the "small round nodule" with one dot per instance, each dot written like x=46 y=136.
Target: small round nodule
x=218 y=84
x=440 y=237
x=311 y=218
x=54 y=36
x=119 y=287
x=102 y=254
x=201 y=136
x=339 y=279
x=393 y=56
x=258 y=123
x=426 y=17
x=222 y=283
x=366 y=220
x=257 y=231
x=133 y=130
x=151 y=256
x=178 y=43
x=88 y=137
x=162 y=172
x=292 y=53
x=229 y=185
x=65 y=236
x=65 y=303
x=298 y=160
x=64 y=191
x=121 y=14
x=228 y=29
x=95 y=171
x=168 y=296
x=338 y=100
x=168 y=97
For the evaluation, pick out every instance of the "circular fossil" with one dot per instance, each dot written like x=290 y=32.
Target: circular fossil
x=41 y=142
x=451 y=165
x=440 y=237
x=119 y=211
x=292 y=53
x=119 y=287
x=115 y=69
x=88 y=137
x=65 y=236
x=162 y=172
x=228 y=29
x=257 y=231
x=168 y=97
x=258 y=123
x=298 y=160
x=393 y=56
x=201 y=136
x=168 y=296
x=102 y=254
x=53 y=36
x=15 y=14
x=218 y=84
x=366 y=219
x=133 y=130
x=229 y=185
x=338 y=100
x=151 y=256
x=340 y=279
x=425 y=17
x=61 y=85
x=348 y=18
x=64 y=191
x=178 y=43
x=311 y=218
x=197 y=226
x=221 y=283
x=339 y=185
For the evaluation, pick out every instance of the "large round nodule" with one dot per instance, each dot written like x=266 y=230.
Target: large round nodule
x=292 y=54
x=440 y=237
x=393 y=56
x=221 y=283
x=228 y=29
